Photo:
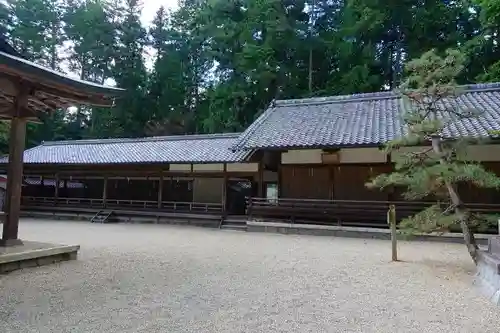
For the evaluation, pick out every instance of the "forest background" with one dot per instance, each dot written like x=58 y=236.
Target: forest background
x=214 y=65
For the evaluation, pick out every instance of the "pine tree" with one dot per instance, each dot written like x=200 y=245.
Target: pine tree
x=90 y=29
x=431 y=102
x=36 y=30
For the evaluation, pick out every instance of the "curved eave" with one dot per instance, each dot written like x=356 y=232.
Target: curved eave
x=55 y=83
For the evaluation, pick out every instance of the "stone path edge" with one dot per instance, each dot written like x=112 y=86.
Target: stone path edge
x=354 y=232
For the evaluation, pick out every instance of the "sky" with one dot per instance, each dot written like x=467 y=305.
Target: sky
x=151 y=6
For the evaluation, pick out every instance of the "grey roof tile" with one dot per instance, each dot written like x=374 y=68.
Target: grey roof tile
x=361 y=119
x=211 y=148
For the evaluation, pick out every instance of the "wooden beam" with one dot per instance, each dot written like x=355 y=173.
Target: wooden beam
x=15 y=171
x=57 y=92
x=48 y=93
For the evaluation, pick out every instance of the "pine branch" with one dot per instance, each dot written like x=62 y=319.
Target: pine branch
x=431 y=101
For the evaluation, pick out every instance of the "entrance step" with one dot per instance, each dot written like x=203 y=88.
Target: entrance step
x=234 y=224
x=234 y=227
x=102 y=216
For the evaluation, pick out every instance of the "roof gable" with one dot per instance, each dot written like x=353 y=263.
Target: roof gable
x=360 y=119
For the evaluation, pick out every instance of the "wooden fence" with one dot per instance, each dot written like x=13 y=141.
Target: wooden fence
x=188 y=207
x=341 y=212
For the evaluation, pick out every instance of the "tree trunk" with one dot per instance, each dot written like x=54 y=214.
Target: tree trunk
x=462 y=213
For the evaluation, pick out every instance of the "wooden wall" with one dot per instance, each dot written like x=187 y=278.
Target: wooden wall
x=305 y=182
x=347 y=182
x=208 y=190
x=341 y=182
x=350 y=180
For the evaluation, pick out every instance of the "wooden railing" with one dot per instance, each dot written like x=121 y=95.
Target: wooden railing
x=190 y=207
x=341 y=212
x=70 y=202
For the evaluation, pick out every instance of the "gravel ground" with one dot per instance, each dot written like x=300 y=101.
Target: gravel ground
x=158 y=278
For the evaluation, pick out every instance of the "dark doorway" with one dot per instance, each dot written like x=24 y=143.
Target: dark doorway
x=237 y=192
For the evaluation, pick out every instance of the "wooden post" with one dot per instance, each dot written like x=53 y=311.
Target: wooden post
x=331 y=180
x=104 y=191
x=14 y=178
x=160 y=190
x=56 y=189
x=224 y=192
x=391 y=220
x=42 y=186
x=280 y=181
x=260 y=189
x=17 y=140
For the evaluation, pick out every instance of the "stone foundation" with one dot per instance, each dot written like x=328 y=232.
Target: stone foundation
x=33 y=254
x=487 y=278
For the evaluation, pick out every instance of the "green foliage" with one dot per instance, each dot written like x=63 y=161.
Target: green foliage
x=431 y=102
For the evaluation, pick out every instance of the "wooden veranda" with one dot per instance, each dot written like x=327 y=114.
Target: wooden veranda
x=337 y=195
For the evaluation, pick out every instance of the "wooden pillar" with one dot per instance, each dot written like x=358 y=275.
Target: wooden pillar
x=160 y=190
x=104 y=191
x=56 y=189
x=280 y=178
x=14 y=178
x=17 y=140
x=260 y=189
x=42 y=186
x=331 y=179
x=224 y=191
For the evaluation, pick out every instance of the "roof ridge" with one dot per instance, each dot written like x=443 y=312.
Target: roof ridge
x=380 y=95
x=253 y=127
x=144 y=139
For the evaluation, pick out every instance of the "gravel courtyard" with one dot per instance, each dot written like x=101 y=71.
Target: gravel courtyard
x=159 y=278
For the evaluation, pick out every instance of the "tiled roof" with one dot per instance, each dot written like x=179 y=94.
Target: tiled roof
x=210 y=148
x=361 y=119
